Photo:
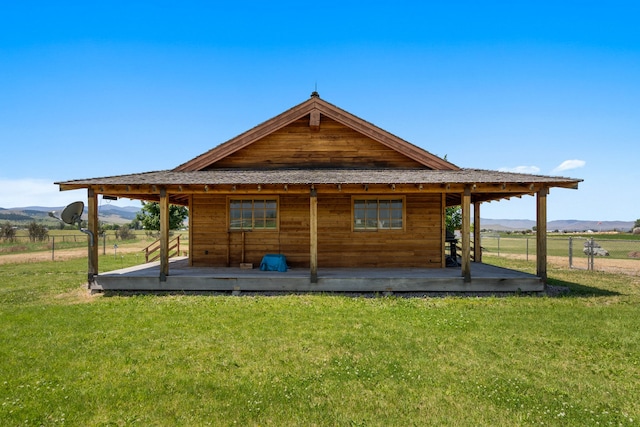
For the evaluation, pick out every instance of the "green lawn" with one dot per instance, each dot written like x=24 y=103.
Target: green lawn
x=67 y=358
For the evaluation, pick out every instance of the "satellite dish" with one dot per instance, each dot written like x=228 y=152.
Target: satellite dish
x=72 y=213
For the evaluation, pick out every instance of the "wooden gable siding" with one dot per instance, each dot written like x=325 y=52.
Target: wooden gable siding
x=333 y=146
x=418 y=245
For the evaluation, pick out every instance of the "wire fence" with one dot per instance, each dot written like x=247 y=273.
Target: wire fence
x=54 y=243
x=59 y=238
x=594 y=254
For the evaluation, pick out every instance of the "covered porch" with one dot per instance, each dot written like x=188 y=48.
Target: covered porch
x=147 y=277
x=188 y=275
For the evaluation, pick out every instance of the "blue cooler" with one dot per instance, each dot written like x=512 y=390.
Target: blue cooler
x=274 y=262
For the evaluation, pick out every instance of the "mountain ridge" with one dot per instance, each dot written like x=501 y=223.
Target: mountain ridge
x=109 y=214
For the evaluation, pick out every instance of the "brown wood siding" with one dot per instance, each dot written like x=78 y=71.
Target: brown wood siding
x=209 y=234
x=334 y=146
x=418 y=245
x=211 y=240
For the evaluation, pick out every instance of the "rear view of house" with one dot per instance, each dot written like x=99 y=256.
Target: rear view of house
x=327 y=190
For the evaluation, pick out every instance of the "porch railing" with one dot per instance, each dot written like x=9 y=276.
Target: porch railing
x=152 y=252
x=458 y=247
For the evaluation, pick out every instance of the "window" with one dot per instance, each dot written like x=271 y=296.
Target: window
x=253 y=214
x=378 y=214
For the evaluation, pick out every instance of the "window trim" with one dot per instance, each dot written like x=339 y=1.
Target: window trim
x=378 y=198
x=253 y=199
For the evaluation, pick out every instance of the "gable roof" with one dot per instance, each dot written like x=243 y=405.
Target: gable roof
x=437 y=176
x=315 y=104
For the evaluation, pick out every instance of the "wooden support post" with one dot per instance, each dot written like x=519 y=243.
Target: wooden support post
x=190 y=247
x=541 y=233
x=92 y=225
x=164 y=235
x=477 y=243
x=242 y=248
x=443 y=229
x=313 y=235
x=466 y=234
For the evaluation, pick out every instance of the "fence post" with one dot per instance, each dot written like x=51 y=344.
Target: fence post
x=591 y=256
x=104 y=243
x=570 y=252
x=498 y=245
x=53 y=247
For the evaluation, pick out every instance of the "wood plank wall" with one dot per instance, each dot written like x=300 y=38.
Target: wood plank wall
x=333 y=146
x=419 y=245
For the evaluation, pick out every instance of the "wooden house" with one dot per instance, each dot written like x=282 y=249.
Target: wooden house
x=329 y=191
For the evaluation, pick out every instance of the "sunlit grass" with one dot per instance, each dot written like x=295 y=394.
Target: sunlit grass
x=67 y=358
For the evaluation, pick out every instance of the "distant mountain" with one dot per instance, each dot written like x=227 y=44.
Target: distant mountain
x=506 y=224
x=106 y=213
x=12 y=215
x=560 y=225
x=126 y=212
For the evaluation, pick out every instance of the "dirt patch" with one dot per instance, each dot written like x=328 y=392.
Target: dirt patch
x=80 y=295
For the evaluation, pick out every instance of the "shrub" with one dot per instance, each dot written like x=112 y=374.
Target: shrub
x=125 y=233
x=38 y=232
x=7 y=232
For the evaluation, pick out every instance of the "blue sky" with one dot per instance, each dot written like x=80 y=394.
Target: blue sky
x=89 y=90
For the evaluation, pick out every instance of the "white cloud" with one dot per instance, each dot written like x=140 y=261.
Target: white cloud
x=521 y=169
x=569 y=164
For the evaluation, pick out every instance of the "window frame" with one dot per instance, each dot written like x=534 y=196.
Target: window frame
x=378 y=198
x=253 y=199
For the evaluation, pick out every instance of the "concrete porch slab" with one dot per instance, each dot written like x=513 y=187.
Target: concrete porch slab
x=182 y=277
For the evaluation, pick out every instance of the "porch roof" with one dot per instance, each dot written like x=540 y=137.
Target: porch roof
x=323 y=176
x=485 y=185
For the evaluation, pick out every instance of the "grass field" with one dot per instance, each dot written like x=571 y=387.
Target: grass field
x=68 y=358
x=622 y=250
x=618 y=245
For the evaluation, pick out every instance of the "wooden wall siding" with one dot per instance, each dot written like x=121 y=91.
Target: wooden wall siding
x=419 y=245
x=210 y=233
x=334 y=146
